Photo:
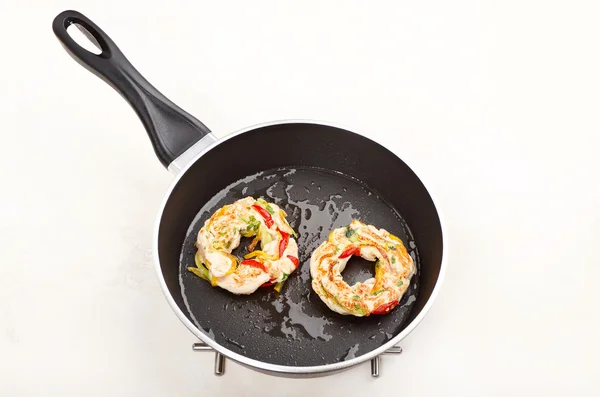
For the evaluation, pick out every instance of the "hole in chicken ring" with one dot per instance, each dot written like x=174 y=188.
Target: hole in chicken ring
x=394 y=268
x=268 y=266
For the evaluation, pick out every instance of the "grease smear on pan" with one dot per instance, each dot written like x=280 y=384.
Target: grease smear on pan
x=292 y=317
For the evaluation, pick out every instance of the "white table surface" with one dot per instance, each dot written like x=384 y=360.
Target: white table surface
x=495 y=104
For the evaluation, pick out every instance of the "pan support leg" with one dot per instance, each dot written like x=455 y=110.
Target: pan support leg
x=219 y=358
x=376 y=361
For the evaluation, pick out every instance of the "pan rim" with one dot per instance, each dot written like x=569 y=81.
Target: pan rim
x=286 y=369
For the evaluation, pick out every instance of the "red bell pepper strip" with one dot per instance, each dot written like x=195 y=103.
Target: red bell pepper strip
x=265 y=214
x=294 y=260
x=285 y=239
x=253 y=263
x=349 y=252
x=385 y=308
x=267 y=284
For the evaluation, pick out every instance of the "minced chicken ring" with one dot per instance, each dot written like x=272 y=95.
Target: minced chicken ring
x=222 y=232
x=379 y=295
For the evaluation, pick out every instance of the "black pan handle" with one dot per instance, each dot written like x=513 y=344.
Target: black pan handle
x=171 y=130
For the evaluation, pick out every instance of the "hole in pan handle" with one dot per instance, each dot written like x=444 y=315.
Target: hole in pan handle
x=171 y=130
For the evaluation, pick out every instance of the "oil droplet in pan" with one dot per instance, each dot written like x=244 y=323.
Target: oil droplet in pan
x=351 y=352
x=232 y=341
x=314 y=326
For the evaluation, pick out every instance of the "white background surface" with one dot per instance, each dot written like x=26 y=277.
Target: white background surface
x=494 y=103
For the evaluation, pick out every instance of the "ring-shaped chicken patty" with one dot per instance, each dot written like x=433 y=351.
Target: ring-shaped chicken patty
x=394 y=269
x=222 y=233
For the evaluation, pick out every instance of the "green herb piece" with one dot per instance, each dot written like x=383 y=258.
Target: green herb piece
x=265 y=236
x=356 y=297
x=228 y=244
x=285 y=276
x=270 y=209
x=359 y=309
x=377 y=265
x=337 y=249
x=198 y=272
x=197 y=260
x=399 y=283
x=392 y=247
x=350 y=232
x=393 y=259
x=222 y=233
x=253 y=224
x=337 y=302
x=378 y=292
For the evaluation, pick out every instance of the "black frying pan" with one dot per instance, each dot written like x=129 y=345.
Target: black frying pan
x=323 y=176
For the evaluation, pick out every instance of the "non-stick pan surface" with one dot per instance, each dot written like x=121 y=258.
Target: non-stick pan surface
x=296 y=328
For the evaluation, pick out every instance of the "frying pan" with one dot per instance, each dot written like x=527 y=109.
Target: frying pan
x=323 y=175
